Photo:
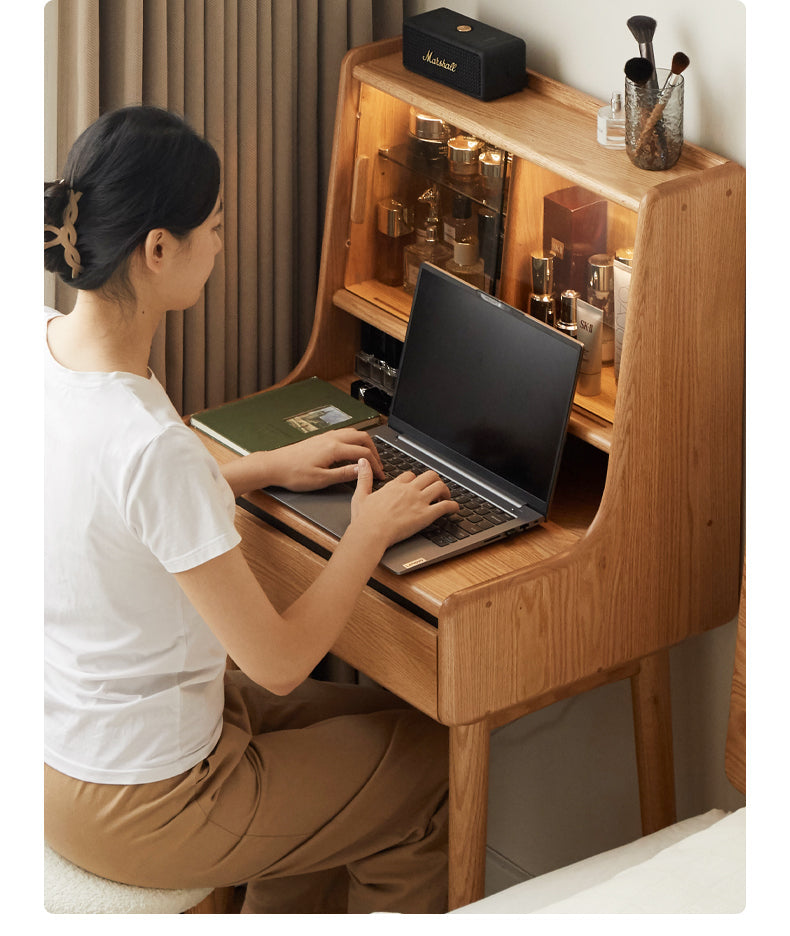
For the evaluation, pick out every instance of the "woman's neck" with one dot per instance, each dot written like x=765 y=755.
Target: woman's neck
x=98 y=335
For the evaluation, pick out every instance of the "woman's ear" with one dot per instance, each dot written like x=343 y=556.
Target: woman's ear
x=154 y=249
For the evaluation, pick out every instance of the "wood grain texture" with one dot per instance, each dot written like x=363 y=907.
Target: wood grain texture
x=650 y=694
x=661 y=560
x=735 y=755
x=469 y=751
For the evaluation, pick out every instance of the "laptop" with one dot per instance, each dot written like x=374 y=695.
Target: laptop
x=483 y=396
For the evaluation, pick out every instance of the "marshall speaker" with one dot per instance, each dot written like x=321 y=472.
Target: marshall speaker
x=479 y=60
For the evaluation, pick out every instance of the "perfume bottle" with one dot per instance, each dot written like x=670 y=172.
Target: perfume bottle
x=611 y=123
x=459 y=224
x=467 y=264
x=542 y=300
x=432 y=250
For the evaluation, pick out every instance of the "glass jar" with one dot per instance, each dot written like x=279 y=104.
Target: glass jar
x=428 y=136
x=463 y=155
x=393 y=233
x=654 y=121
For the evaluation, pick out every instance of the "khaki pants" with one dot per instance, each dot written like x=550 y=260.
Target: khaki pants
x=330 y=799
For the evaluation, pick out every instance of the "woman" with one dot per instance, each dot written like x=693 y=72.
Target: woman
x=161 y=769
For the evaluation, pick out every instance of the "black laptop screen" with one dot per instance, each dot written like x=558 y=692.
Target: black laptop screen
x=487 y=382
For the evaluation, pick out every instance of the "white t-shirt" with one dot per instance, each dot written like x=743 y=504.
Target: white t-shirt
x=133 y=675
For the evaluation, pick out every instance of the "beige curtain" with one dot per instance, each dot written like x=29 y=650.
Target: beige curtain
x=259 y=80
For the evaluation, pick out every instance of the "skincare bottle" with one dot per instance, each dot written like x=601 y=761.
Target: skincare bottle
x=600 y=293
x=623 y=261
x=431 y=251
x=463 y=156
x=489 y=233
x=611 y=123
x=459 y=225
x=567 y=319
x=590 y=321
x=466 y=263
x=492 y=172
x=393 y=233
x=428 y=137
x=542 y=301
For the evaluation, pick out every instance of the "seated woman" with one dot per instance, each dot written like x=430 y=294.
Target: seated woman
x=162 y=769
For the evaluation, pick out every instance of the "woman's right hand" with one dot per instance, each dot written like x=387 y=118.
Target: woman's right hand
x=403 y=506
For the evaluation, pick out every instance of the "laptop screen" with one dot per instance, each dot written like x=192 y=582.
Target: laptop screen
x=487 y=382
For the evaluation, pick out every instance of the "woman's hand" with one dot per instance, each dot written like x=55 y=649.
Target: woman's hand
x=404 y=506
x=323 y=460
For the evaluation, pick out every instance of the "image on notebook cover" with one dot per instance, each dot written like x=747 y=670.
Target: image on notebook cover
x=483 y=396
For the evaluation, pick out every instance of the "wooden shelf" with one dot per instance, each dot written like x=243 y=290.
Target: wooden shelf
x=518 y=124
x=386 y=308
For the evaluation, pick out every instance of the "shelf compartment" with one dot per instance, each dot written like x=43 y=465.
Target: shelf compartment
x=474 y=189
x=591 y=417
x=518 y=124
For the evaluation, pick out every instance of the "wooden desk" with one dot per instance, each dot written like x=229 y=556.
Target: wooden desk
x=643 y=547
x=402 y=635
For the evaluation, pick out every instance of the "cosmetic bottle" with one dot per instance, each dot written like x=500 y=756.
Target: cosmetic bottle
x=589 y=320
x=623 y=261
x=489 y=232
x=428 y=137
x=467 y=264
x=463 y=156
x=431 y=251
x=492 y=172
x=542 y=301
x=600 y=293
x=459 y=225
x=393 y=233
x=611 y=123
x=567 y=321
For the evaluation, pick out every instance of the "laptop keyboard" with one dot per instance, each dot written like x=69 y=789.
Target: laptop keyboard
x=474 y=515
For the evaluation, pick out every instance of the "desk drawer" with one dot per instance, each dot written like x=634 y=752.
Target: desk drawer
x=387 y=643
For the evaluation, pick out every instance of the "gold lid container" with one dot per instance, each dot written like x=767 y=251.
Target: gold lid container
x=393 y=218
x=426 y=127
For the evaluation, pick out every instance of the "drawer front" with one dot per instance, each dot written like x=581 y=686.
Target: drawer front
x=387 y=643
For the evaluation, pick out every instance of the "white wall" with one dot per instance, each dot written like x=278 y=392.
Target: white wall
x=563 y=781
x=586 y=44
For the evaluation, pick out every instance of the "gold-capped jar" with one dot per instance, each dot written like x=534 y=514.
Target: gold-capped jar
x=428 y=135
x=463 y=155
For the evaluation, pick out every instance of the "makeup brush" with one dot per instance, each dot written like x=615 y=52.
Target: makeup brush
x=680 y=62
x=639 y=70
x=642 y=29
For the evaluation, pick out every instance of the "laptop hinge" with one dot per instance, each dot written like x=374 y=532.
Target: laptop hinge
x=451 y=469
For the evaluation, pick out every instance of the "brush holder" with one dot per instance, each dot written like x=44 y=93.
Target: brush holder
x=657 y=147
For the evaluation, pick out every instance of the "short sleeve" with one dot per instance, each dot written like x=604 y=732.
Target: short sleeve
x=177 y=502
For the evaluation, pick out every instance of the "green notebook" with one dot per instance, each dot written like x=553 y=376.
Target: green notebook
x=273 y=418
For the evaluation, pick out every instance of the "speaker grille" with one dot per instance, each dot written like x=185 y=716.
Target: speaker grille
x=466 y=77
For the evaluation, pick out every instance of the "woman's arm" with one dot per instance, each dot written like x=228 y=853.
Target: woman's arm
x=280 y=650
x=318 y=462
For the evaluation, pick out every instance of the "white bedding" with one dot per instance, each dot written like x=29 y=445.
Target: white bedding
x=694 y=866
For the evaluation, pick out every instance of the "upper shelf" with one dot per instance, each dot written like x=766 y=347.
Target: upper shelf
x=548 y=124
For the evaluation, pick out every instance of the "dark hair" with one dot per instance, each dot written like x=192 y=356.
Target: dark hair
x=138 y=168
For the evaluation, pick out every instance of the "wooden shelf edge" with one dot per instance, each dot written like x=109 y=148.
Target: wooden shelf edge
x=517 y=122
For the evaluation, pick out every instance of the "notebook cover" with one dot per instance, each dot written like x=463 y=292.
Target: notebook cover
x=273 y=418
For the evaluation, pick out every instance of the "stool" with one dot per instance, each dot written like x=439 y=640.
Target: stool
x=69 y=889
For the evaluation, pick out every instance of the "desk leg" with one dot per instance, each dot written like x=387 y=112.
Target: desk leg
x=653 y=733
x=469 y=748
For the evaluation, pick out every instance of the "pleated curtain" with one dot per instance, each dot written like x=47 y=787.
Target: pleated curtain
x=259 y=80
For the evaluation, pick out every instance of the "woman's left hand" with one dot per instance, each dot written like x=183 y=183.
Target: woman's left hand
x=323 y=460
